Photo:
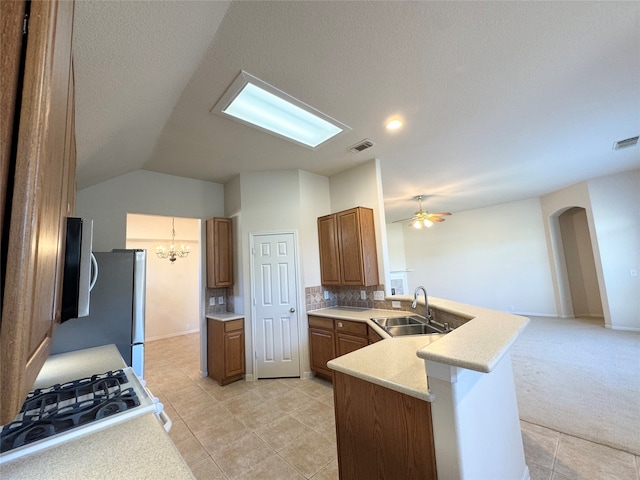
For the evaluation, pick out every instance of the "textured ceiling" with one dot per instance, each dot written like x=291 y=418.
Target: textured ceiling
x=501 y=100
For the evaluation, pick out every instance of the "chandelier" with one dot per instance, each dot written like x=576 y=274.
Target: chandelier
x=172 y=253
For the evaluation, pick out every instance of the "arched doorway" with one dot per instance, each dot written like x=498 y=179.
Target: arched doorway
x=581 y=275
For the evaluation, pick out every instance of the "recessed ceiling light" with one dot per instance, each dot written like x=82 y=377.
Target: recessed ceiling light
x=255 y=103
x=394 y=124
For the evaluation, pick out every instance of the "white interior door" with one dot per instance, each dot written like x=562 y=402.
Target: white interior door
x=276 y=342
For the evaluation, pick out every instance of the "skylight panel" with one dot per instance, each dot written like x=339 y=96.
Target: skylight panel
x=253 y=102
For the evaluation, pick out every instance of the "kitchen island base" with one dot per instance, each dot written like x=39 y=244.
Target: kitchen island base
x=381 y=433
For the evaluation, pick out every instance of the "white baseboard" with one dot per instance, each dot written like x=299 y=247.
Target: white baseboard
x=624 y=329
x=526 y=475
x=248 y=377
x=170 y=335
x=307 y=375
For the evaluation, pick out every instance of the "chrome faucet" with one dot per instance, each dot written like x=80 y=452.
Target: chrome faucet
x=426 y=301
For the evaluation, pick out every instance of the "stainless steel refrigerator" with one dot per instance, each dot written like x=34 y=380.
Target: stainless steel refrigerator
x=116 y=310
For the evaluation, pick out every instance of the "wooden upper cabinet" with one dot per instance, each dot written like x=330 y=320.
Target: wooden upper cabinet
x=43 y=192
x=219 y=253
x=347 y=241
x=329 y=251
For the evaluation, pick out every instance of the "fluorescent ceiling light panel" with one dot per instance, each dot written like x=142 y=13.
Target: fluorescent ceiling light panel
x=253 y=102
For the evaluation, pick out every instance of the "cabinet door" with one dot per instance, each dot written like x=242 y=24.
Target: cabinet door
x=323 y=349
x=219 y=253
x=32 y=283
x=349 y=343
x=329 y=254
x=357 y=247
x=234 y=353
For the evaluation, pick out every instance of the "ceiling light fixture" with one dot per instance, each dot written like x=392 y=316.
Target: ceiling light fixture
x=394 y=124
x=422 y=218
x=172 y=253
x=257 y=104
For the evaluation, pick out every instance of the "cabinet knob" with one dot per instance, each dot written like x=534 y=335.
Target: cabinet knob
x=292 y=310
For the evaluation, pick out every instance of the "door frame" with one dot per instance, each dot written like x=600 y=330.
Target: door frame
x=299 y=298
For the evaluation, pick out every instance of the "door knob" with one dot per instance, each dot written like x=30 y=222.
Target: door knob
x=292 y=310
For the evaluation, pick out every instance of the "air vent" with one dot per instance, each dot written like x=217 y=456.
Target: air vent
x=629 y=142
x=360 y=146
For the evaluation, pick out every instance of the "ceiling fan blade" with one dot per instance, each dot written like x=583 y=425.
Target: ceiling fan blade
x=437 y=219
x=403 y=220
x=440 y=214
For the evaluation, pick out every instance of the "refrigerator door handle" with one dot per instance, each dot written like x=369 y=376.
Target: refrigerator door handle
x=94 y=271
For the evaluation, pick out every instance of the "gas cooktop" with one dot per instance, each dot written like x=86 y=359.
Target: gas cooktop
x=64 y=411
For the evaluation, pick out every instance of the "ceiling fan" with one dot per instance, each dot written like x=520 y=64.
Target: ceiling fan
x=422 y=218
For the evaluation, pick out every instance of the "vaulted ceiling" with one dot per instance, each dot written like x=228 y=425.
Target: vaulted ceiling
x=500 y=100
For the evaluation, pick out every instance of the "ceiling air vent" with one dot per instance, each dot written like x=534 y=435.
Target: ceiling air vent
x=360 y=146
x=629 y=142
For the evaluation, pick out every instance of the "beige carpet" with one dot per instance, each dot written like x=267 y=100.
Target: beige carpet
x=576 y=377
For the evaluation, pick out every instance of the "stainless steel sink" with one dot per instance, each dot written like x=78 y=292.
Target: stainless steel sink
x=395 y=321
x=410 y=325
x=422 y=329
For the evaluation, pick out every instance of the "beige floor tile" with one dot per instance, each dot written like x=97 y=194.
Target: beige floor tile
x=265 y=412
x=191 y=451
x=579 y=459
x=282 y=431
x=272 y=388
x=273 y=468
x=194 y=403
x=206 y=417
x=179 y=430
x=540 y=444
x=537 y=472
x=240 y=456
x=315 y=414
x=221 y=433
x=309 y=453
x=243 y=403
x=207 y=470
x=330 y=472
x=292 y=400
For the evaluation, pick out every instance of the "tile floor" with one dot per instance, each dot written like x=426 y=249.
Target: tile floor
x=284 y=429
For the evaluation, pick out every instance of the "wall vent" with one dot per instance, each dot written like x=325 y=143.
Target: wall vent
x=361 y=145
x=629 y=142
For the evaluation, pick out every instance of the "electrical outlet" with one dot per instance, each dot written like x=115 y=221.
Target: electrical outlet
x=212 y=301
x=395 y=304
x=220 y=300
x=363 y=295
x=326 y=294
x=511 y=308
x=378 y=295
x=188 y=326
x=633 y=272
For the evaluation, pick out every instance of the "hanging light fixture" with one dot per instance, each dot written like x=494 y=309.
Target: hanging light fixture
x=172 y=253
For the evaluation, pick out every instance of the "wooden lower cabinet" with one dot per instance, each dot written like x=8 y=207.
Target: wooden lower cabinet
x=381 y=433
x=330 y=338
x=322 y=345
x=225 y=350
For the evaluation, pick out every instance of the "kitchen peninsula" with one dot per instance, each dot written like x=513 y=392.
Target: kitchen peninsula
x=464 y=379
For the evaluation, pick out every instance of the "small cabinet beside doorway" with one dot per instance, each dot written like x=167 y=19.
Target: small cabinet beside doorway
x=219 y=253
x=225 y=350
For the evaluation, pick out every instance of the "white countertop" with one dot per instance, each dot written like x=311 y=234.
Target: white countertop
x=135 y=448
x=396 y=362
x=224 y=317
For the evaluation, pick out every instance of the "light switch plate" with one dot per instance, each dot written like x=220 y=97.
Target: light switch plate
x=220 y=300
x=378 y=295
x=363 y=295
x=212 y=301
x=395 y=304
x=326 y=294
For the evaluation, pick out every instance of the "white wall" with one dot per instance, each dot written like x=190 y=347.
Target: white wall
x=172 y=300
x=615 y=203
x=278 y=201
x=494 y=257
x=108 y=203
x=361 y=186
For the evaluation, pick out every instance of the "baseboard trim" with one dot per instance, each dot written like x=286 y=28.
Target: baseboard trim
x=526 y=475
x=624 y=329
x=170 y=335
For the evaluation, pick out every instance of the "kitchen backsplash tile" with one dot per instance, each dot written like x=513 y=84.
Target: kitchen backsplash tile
x=216 y=293
x=347 y=297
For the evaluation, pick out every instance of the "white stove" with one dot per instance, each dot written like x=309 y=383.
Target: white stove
x=61 y=412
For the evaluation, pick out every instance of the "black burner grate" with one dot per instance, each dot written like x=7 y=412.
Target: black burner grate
x=61 y=407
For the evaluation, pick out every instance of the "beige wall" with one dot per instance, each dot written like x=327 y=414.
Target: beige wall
x=173 y=300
